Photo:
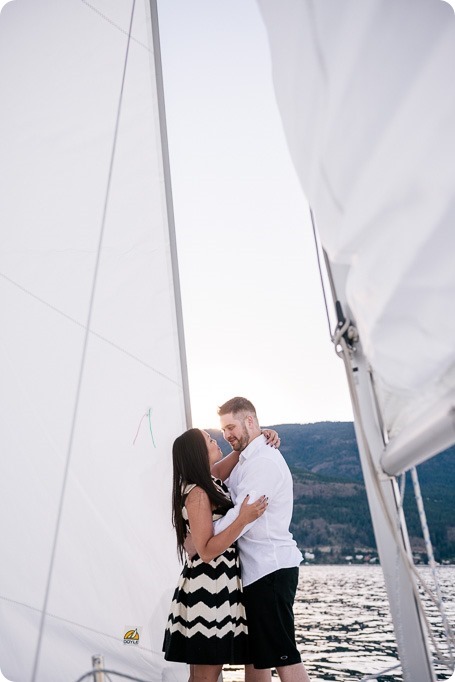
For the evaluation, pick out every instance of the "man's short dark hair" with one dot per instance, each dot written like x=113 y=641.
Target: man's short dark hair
x=236 y=405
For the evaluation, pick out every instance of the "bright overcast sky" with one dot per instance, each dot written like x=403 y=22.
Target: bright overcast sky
x=254 y=314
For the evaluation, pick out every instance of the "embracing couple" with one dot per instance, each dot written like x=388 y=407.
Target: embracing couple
x=239 y=506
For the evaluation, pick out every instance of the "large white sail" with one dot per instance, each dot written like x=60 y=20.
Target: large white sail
x=366 y=97
x=368 y=107
x=92 y=377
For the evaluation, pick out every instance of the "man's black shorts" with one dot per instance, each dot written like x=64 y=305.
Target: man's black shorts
x=268 y=604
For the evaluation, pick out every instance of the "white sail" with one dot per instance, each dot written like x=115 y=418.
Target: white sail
x=92 y=381
x=366 y=97
x=368 y=108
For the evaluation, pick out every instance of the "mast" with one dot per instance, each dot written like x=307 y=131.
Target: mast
x=169 y=205
x=385 y=505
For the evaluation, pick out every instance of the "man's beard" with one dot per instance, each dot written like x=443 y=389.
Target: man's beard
x=241 y=443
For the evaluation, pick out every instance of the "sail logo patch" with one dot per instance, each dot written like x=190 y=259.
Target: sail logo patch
x=132 y=636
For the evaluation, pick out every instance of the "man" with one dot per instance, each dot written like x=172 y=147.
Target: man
x=269 y=555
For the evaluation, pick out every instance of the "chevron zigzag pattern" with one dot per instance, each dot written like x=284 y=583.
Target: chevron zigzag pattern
x=189 y=584
x=215 y=614
x=207 y=621
x=200 y=628
x=210 y=599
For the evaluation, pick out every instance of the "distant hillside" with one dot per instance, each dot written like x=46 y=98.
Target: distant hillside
x=331 y=516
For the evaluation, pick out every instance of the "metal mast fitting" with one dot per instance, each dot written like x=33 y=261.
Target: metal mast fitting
x=98 y=665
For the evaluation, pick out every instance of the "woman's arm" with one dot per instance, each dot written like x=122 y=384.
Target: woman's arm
x=199 y=509
x=223 y=468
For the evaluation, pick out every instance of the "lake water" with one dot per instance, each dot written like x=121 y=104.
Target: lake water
x=343 y=624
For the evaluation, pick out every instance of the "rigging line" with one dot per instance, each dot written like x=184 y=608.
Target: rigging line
x=320 y=270
x=112 y=23
x=84 y=354
x=429 y=548
x=437 y=601
x=90 y=331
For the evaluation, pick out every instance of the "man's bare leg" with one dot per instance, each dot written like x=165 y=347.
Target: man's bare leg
x=293 y=673
x=253 y=674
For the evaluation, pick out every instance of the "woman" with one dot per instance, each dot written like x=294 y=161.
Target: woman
x=207 y=625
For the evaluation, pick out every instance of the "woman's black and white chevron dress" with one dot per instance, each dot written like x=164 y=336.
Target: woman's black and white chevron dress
x=207 y=623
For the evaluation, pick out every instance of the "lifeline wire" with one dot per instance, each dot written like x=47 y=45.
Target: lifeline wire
x=84 y=353
x=111 y=672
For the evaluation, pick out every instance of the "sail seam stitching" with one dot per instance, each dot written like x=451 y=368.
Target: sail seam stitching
x=70 y=622
x=83 y=355
x=112 y=23
x=90 y=331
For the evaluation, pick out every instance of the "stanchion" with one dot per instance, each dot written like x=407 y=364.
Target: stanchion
x=98 y=664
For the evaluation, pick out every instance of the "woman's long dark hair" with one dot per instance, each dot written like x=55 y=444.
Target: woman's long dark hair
x=190 y=459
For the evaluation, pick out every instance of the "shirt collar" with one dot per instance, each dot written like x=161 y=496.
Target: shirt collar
x=252 y=447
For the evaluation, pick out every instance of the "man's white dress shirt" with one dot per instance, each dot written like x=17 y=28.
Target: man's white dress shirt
x=265 y=545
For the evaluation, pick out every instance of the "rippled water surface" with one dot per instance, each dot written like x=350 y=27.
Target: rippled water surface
x=343 y=625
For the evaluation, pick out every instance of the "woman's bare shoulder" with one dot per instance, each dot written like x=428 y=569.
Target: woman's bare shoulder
x=196 y=495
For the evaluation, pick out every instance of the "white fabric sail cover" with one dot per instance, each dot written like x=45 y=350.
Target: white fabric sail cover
x=64 y=402
x=366 y=94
